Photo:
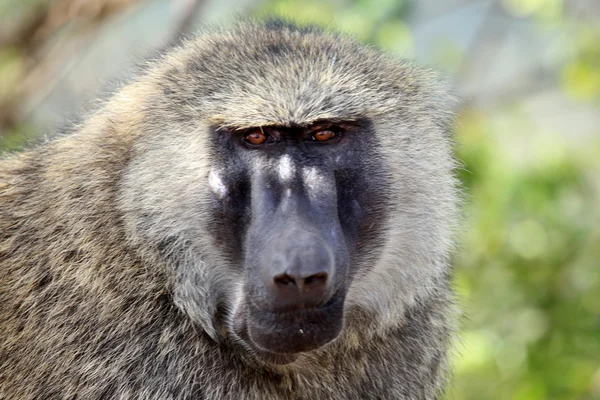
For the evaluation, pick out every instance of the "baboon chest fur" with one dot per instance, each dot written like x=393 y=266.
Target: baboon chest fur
x=265 y=212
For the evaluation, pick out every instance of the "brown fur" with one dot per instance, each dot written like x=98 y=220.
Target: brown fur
x=91 y=308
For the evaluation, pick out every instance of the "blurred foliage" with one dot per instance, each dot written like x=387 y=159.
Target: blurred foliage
x=581 y=77
x=378 y=22
x=528 y=270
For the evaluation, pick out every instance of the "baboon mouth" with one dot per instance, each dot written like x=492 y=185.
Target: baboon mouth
x=280 y=337
x=263 y=354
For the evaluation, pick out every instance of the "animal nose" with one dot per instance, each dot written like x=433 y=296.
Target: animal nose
x=303 y=279
x=314 y=283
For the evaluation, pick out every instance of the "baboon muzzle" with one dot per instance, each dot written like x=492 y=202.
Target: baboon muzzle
x=297 y=268
x=296 y=265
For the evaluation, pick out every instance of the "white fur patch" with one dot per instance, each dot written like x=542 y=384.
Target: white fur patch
x=216 y=183
x=313 y=181
x=285 y=169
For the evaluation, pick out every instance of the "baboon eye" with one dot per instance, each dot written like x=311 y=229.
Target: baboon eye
x=256 y=137
x=323 y=136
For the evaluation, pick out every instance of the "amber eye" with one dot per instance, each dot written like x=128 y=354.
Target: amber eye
x=323 y=136
x=256 y=137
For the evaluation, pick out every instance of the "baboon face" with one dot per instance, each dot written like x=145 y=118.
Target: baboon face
x=289 y=177
x=296 y=210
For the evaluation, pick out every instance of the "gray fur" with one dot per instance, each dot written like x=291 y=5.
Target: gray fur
x=93 y=307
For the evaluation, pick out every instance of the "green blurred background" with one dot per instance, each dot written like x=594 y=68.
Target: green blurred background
x=527 y=132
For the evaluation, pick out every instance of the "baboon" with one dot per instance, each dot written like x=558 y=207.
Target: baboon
x=265 y=212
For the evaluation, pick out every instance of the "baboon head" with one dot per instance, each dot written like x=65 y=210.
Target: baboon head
x=287 y=177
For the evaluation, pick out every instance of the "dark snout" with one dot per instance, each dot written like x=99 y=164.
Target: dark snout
x=298 y=305
x=299 y=269
x=296 y=266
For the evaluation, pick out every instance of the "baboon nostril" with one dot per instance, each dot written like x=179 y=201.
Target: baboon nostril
x=315 y=280
x=284 y=280
x=302 y=283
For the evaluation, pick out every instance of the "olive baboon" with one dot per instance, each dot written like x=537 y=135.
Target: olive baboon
x=265 y=213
